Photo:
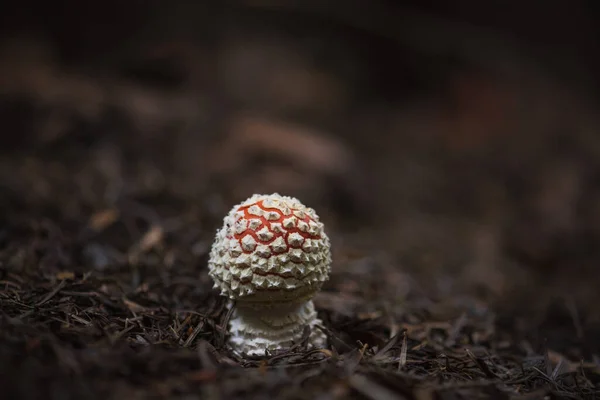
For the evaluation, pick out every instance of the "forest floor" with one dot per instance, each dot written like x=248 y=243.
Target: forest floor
x=463 y=220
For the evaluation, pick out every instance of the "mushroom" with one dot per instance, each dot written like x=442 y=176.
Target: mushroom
x=270 y=258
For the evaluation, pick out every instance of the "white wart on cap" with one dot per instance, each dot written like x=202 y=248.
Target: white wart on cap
x=271 y=256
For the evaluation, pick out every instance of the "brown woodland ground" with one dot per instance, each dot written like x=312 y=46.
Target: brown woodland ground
x=452 y=153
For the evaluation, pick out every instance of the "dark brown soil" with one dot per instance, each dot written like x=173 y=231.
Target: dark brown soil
x=459 y=188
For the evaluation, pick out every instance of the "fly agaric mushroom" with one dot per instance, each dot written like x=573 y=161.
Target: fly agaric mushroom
x=270 y=258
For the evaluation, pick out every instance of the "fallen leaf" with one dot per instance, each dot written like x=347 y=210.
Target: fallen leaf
x=65 y=275
x=103 y=219
x=151 y=238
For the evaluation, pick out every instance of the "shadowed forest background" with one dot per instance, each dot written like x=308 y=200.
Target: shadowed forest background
x=452 y=149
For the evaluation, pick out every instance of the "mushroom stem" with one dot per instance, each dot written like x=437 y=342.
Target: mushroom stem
x=255 y=328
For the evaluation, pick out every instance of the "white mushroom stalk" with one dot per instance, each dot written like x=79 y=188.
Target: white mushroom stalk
x=270 y=258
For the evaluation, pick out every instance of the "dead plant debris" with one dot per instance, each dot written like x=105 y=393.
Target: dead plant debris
x=141 y=330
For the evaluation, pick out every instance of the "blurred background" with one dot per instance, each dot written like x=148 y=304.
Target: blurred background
x=456 y=142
